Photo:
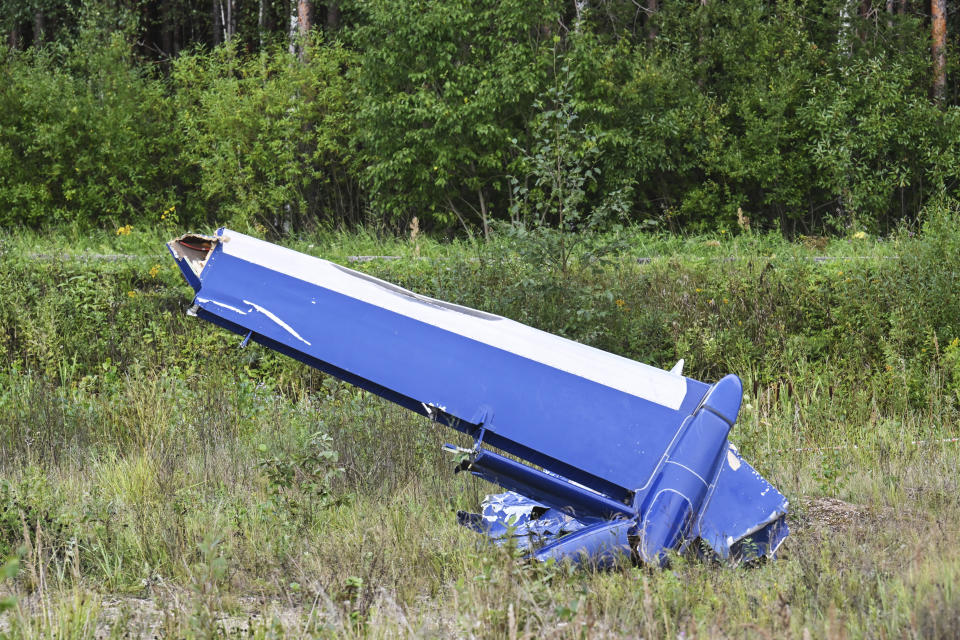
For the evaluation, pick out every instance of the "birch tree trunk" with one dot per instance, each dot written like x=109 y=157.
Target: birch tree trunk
x=230 y=22
x=845 y=37
x=261 y=24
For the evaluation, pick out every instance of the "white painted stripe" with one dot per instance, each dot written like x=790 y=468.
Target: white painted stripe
x=280 y=322
x=617 y=372
x=691 y=471
x=221 y=304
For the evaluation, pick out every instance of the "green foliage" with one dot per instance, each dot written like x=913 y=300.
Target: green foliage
x=302 y=480
x=951 y=364
x=443 y=89
x=7 y=573
x=699 y=116
x=82 y=135
x=262 y=139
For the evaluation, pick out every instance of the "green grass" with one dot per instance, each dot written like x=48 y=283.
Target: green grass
x=156 y=480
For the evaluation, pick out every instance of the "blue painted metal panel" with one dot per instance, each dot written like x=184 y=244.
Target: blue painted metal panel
x=601 y=545
x=745 y=516
x=549 y=489
x=615 y=439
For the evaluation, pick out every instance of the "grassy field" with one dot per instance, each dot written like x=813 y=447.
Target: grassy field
x=155 y=480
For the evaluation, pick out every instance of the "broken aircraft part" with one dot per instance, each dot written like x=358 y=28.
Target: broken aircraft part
x=607 y=456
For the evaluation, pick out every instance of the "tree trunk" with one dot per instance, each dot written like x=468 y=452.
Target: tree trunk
x=580 y=6
x=866 y=9
x=938 y=19
x=300 y=25
x=166 y=28
x=652 y=7
x=224 y=16
x=845 y=39
x=333 y=15
x=269 y=21
x=14 y=38
x=293 y=32
x=226 y=19
x=217 y=23
x=483 y=215
x=261 y=23
x=39 y=27
x=304 y=16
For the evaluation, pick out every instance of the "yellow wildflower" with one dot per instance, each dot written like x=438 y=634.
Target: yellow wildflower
x=154 y=270
x=131 y=294
x=620 y=303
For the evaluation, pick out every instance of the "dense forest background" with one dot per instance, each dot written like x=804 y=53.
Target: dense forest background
x=808 y=117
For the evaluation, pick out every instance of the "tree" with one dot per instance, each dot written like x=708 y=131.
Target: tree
x=445 y=90
x=938 y=19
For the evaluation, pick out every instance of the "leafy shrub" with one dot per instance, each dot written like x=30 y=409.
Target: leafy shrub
x=83 y=135
x=302 y=480
x=442 y=90
x=264 y=140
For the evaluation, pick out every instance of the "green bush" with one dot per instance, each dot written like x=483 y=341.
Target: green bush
x=264 y=140
x=442 y=90
x=701 y=116
x=84 y=135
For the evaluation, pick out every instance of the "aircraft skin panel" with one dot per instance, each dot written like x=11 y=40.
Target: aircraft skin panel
x=617 y=372
x=604 y=431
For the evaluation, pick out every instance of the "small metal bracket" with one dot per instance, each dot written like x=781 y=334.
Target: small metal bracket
x=478 y=441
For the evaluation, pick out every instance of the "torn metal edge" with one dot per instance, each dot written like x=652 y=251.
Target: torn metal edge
x=194 y=249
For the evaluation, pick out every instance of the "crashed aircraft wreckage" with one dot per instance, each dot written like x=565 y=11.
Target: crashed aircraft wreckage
x=606 y=456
